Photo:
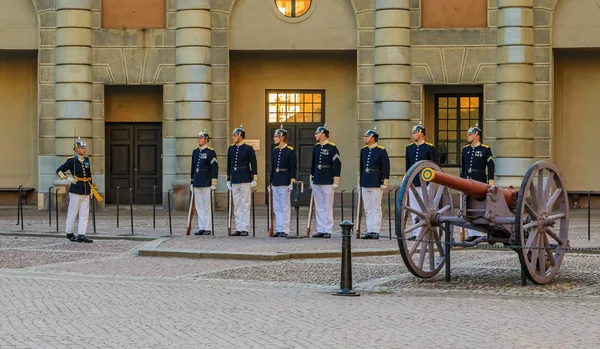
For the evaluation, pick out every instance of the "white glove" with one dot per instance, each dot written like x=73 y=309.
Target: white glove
x=491 y=182
x=383 y=187
x=229 y=185
x=335 y=185
x=71 y=180
x=253 y=184
x=290 y=187
x=191 y=187
x=213 y=187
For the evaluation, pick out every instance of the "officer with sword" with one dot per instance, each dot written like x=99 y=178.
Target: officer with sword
x=283 y=176
x=204 y=174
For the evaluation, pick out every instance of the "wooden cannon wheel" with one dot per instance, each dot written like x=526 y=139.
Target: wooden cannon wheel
x=424 y=257
x=542 y=222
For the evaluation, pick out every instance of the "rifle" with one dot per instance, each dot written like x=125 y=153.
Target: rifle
x=359 y=212
x=190 y=213
x=310 y=212
x=270 y=208
x=230 y=200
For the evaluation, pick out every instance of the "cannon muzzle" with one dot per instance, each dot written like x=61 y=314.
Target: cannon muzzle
x=469 y=187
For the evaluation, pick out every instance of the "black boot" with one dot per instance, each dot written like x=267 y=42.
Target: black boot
x=199 y=232
x=206 y=232
x=83 y=238
x=71 y=236
x=244 y=233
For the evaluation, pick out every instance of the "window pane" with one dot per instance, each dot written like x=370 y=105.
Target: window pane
x=452 y=135
x=316 y=117
x=272 y=117
x=308 y=108
x=452 y=159
x=452 y=125
x=308 y=97
x=317 y=97
x=475 y=114
x=452 y=114
x=272 y=108
x=464 y=114
x=474 y=102
x=443 y=125
x=443 y=113
x=272 y=97
x=442 y=102
x=452 y=102
x=464 y=125
x=464 y=102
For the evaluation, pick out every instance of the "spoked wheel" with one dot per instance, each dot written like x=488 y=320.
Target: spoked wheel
x=541 y=222
x=425 y=256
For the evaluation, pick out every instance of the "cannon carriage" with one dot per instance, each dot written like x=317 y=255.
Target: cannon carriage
x=532 y=221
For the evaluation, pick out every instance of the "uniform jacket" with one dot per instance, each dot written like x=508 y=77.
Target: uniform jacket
x=374 y=166
x=205 y=167
x=326 y=163
x=283 y=166
x=241 y=163
x=416 y=153
x=78 y=169
x=474 y=162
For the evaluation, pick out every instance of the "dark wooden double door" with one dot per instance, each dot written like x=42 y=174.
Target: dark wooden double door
x=301 y=136
x=133 y=160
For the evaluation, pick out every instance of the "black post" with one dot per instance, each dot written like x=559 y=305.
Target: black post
x=253 y=216
x=93 y=213
x=56 y=206
x=50 y=206
x=448 y=240
x=589 y=212
x=154 y=207
x=353 y=204
x=19 y=205
x=131 y=207
x=346 y=275
x=169 y=200
x=268 y=201
x=523 y=277
x=212 y=212
x=297 y=207
x=118 y=197
x=342 y=202
x=390 y=212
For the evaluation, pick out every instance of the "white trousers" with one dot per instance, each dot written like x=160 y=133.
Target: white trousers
x=372 y=204
x=241 y=204
x=78 y=204
x=324 y=207
x=202 y=203
x=415 y=205
x=282 y=208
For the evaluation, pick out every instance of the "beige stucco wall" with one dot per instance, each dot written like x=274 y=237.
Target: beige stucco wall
x=253 y=73
x=18 y=119
x=18 y=25
x=577 y=118
x=577 y=24
x=258 y=25
x=133 y=104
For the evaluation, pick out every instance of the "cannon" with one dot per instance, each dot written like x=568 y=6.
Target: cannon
x=532 y=221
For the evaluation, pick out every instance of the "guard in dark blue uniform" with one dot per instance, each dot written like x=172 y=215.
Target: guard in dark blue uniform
x=283 y=175
x=325 y=171
x=204 y=174
x=242 y=175
x=417 y=151
x=374 y=177
x=79 y=192
x=476 y=157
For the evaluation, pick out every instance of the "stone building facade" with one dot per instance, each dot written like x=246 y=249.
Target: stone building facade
x=138 y=79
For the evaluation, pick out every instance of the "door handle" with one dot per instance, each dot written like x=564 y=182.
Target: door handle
x=135 y=169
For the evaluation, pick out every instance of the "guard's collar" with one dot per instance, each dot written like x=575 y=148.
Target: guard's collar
x=324 y=142
x=202 y=147
x=373 y=145
x=422 y=141
x=283 y=146
x=240 y=143
x=475 y=145
x=79 y=157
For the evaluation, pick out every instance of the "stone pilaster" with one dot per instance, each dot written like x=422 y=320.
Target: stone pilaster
x=392 y=95
x=193 y=91
x=515 y=92
x=73 y=89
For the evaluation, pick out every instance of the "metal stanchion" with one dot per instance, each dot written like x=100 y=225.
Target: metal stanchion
x=589 y=212
x=389 y=212
x=93 y=213
x=353 y=190
x=56 y=206
x=212 y=212
x=448 y=240
x=50 y=206
x=342 y=202
x=253 y=216
x=19 y=205
x=169 y=200
x=154 y=206
x=131 y=207
x=346 y=274
x=296 y=199
x=118 y=197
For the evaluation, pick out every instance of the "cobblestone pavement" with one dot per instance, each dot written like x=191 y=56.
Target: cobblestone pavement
x=58 y=294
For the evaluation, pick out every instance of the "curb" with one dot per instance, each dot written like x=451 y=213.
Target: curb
x=98 y=237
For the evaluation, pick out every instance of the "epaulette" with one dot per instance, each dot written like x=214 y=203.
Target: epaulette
x=291 y=148
x=485 y=145
x=429 y=144
x=332 y=143
x=409 y=144
x=209 y=148
x=317 y=143
x=232 y=144
x=70 y=157
x=468 y=145
x=364 y=147
x=380 y=147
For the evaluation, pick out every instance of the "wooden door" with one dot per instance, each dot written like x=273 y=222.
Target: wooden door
x=133 y=160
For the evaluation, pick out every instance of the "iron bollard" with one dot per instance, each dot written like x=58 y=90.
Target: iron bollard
x=131 y=207
x=169 y=200
x=93 y=214
x=19 y=205
x=389 y=212
x=154 y=207
x=346 y=275
x=118 y=197
x=56 y=206
x=448 y=242
x=589 y=212
x=253 y=216
x=50 y=206
x=212 y=211
x=353 y=190
x=296 y=200
x=342 y=202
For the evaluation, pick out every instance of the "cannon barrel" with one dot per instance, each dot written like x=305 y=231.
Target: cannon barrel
x=469 y=187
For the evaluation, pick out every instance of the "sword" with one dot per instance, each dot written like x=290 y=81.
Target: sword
x=212 y=211
x=190 y=213
x=310 y=212
x=230 y=200
x=270 y=190
x=359 y=212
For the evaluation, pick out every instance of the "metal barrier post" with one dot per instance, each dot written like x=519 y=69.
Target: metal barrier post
x=19 y=205
x=342 y=202
x=50 y=206
x=118 y=197
x=212 y=211
x=253 y=216
x=346 y=275
x=56 y=206
x=448 y=241
x=389 y=212
x=169 y=200
x=131 y=207
x=94 y=213
x=589 y=212
x=353 y=204
x=154 y=207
